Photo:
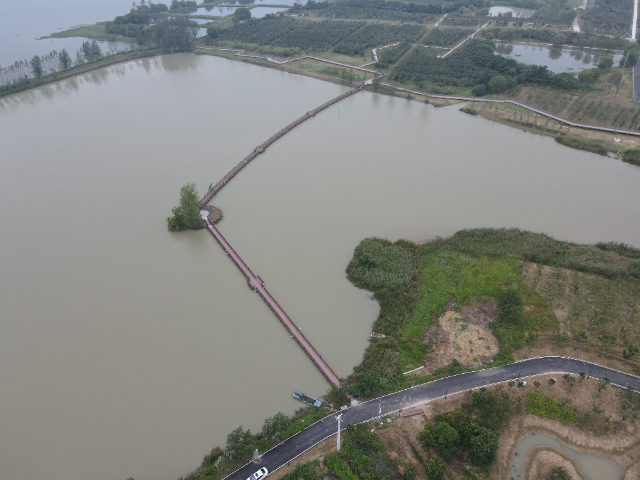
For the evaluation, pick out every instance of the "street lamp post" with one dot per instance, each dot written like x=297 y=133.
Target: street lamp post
x=338 y=418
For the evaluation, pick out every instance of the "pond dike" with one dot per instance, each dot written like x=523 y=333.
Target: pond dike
x=255 y=282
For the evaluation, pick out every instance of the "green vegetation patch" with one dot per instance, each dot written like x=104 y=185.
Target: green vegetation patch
x=473 y=64
x=608 y=16
x=470 y=433
x=574 y=141
x=632 y=156
x=612 y=260
x=316 y=36
x=379 y=264
x=557 y=12
x=547 y=407
x=375 y=10
x=445 y=37
x=362 y=456
x=307 y=471
x=390 y=55
x=376 y=34
x=452 y=275
x=259 y=32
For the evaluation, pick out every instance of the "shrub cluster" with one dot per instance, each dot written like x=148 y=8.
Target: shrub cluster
x=472 y=430
x=362 y=456
x=547 y=407
x=380 y=264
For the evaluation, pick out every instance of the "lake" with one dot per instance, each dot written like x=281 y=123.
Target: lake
x=131 y=351
x=515 y=11
x=23 y=23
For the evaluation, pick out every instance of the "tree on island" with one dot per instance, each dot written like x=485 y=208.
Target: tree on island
x=187 y=214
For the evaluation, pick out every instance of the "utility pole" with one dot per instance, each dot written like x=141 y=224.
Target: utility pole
x=338 y=418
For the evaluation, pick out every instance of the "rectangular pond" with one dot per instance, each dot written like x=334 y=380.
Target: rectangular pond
x=555 y=59
x=515 y=11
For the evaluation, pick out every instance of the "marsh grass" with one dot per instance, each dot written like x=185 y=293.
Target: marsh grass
x=596 y=146
x=609 y=260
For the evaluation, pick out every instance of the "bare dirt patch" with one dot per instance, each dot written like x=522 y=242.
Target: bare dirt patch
x=463 y=335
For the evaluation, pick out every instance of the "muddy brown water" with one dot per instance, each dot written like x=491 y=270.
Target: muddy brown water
x=593 y=467
x=130 y=351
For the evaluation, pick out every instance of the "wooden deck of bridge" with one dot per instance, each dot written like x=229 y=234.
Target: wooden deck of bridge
x=254 y=281
x=257 y=284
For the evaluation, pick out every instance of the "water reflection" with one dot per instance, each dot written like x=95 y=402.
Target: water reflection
x=552 y=58
x=259 y=12
x=100 y=76
x=504 y=48
x=174 y=63
x=555 y=53
x=516 y=12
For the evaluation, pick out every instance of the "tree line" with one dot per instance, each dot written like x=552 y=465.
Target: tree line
x=394 y=5
x=174 y=33
x=54 y=61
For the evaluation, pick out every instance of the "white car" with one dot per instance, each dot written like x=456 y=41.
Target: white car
x=263 y=472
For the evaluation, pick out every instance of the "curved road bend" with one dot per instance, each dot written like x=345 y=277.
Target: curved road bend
x=319 y=431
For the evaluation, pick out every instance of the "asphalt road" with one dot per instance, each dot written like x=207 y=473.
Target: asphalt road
x=363 y=412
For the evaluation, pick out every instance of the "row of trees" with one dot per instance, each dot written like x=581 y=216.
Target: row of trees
x=54 y=61
x=393 y=5
x=375 y=34
x=177 y=4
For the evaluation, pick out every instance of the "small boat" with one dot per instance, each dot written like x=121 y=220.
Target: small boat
x=306 y=399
